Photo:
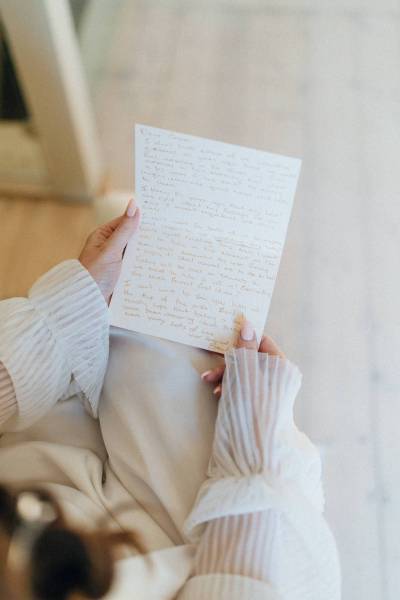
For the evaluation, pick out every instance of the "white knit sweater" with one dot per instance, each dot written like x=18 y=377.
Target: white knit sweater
x=257 y=522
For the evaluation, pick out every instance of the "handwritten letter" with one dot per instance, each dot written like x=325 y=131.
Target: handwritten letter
x=214 y=221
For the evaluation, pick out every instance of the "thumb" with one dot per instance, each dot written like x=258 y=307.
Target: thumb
x=268 y=346
x=247 y=337
x=127 y=226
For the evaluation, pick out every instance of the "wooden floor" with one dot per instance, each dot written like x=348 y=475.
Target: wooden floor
x=36 y=235
x=311 y=79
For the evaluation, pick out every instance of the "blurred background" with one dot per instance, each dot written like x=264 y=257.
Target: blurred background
x=313 y=79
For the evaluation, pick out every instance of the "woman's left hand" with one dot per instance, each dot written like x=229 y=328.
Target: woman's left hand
x=104 y=248
x=247 y=339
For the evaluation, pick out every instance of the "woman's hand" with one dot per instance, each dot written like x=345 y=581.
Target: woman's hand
x=104 y=249
x=247 y=339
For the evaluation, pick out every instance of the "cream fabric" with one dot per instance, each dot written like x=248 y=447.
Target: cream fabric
x=141 y=466
x=157 y=420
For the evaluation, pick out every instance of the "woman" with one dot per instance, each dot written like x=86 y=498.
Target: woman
x=225 y=505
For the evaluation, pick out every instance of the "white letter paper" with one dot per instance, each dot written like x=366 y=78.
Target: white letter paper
x=214 y=221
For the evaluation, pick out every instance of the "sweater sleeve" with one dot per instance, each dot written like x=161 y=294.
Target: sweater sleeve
x=51 y=342
x=258 y=517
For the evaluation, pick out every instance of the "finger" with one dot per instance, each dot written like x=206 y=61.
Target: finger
x=217 y=391
x=112 y=225
x=131 y=208
x=129 y=212
x=102 y=233
x=268 y=346
x=247 y=337
x=213 y=375
x=124 y=231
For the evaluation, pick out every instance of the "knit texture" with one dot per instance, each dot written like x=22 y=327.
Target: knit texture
x=56 y=337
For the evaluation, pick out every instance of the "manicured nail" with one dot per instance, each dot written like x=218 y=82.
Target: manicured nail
x=203 y=375
x=217 y=390
x=247 y=331
x=131 y=208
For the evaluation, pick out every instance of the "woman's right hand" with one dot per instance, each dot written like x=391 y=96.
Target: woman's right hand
x=104 y=249
x=246 y=339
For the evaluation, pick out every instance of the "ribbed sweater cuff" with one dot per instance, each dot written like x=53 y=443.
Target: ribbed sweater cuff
x=58 y=335
x=33 y=360
x=226 y=587
x=259 y=460
x=75 y=311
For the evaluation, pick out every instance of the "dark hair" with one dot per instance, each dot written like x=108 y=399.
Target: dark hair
x=63 y=561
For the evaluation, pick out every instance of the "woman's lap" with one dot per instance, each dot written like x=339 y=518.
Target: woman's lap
x=157 y=419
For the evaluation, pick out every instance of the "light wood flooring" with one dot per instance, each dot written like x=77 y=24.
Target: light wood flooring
x=35 y=235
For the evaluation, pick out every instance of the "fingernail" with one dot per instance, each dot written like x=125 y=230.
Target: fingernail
x=247 y=331
x=131 y=208
x=217 y=390
x=203 y=375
